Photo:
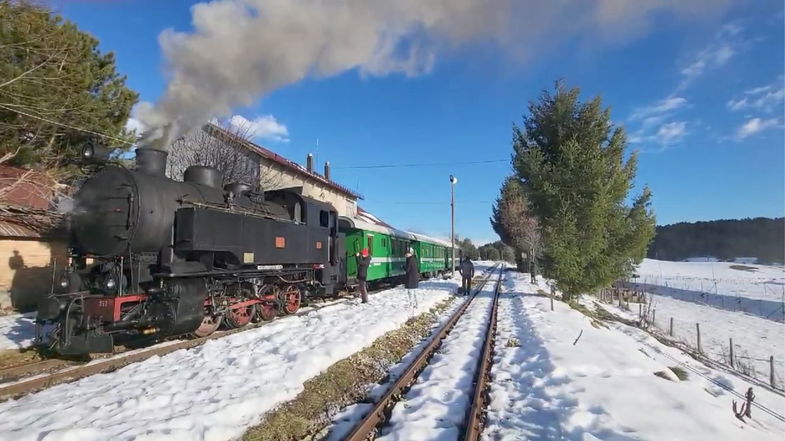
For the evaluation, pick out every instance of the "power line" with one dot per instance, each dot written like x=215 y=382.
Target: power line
x=436 y=203
x=68 y=126
x=424 y=164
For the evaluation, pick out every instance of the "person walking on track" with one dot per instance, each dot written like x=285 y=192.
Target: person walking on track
x=412 y=277
x=466 y=269
x=363 y=262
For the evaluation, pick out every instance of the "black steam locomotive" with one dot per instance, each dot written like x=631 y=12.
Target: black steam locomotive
x=154 y=256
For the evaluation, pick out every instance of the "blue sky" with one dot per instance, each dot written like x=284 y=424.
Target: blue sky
x=700 y=95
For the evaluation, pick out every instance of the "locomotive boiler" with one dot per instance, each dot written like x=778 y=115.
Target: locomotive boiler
x=153 y=256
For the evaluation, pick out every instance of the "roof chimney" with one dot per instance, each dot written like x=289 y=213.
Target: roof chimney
x=327 y=170
x=309 y=163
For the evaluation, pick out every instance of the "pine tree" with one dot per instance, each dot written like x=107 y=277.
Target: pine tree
x=50 y=71
x=569 y=158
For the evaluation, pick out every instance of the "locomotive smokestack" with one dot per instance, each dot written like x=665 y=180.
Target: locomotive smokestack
x=309 y=163
x=151 y=161
x=327 y=170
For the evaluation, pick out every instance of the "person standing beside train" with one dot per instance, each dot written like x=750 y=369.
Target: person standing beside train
x=466 y=269
x=412 y=277
x=363 y=262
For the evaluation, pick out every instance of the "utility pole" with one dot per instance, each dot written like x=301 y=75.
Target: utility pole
x=453 y=180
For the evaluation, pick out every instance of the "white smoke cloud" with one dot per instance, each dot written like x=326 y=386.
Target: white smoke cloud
x=263 y=127
x=240 y=50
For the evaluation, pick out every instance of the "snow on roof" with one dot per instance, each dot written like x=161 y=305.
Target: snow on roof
x=366 y=221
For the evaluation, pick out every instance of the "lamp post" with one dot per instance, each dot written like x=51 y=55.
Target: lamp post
x=453 y=180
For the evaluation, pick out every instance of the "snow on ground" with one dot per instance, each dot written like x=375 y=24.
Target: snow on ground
x=754 y=339
x=17 y=330
x=217 y=390
x=545 y=386
x=435 y=406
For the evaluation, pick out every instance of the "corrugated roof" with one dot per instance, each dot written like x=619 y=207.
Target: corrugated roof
x=278 y=159
x=9 y=229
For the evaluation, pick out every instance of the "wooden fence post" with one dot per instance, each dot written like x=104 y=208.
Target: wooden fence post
x=670 y=329
x=654 y=317
x=698 y=329
x=771 y=371
x=552 y=292
x=640 y=310
x=731 y=352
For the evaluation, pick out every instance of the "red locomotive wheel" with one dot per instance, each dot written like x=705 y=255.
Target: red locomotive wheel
x=210 y=324
x=267 y=312
x=291 y=299
x=239 y=317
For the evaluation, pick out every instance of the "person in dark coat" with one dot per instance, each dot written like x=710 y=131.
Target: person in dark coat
x=363 y=262
x=466 y=269
x=412 y=277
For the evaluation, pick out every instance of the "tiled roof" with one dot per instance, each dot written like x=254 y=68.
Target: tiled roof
x=278 y=159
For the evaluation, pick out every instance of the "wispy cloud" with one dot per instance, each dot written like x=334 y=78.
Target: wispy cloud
x=757 y=125
x=661 y=107
x=725 y=45
x=655 y=124
x=263 y=127
x=671 y=132
x=764 y=99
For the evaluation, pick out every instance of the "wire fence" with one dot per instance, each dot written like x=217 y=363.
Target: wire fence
x=768 y=303
x=702 y=339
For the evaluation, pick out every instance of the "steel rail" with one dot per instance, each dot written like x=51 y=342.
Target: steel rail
x=475 y=419
x=364 y=429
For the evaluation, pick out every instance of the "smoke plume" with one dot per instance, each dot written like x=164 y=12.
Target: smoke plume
x=240 y=50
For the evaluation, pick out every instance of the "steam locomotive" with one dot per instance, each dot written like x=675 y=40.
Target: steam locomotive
x=158 y=257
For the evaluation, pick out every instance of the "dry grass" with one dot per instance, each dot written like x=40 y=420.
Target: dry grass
x=13 y=357
x=750 y=269
x=343 y=383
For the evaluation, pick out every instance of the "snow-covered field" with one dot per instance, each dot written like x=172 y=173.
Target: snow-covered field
x=435 y=406
x=754 y=339
x=215 y=391
x=547 y=386
x=758 y=289
x=17 y=331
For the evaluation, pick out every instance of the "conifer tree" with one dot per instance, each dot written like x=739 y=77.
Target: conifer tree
x=54 y=86
x=569 y=158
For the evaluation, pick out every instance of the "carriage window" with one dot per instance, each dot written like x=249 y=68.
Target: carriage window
x=384 y=243
x=324 y=218
x=370 y=244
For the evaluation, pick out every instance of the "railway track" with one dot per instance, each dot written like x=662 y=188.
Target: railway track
x=24 y=378
x=368 y=427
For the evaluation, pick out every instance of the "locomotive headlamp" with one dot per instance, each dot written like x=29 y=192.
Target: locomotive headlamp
x=110 y=283
x=93 y=152
x=64 y=282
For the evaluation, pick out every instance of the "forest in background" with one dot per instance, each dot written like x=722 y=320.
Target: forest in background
x=724 y=239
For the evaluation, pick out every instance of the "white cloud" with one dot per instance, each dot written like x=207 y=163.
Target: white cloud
x=757 y=125
x=764 y=99
x=716 y=54
x=654 y=113
x=263 y=127
x=134 y=125
x=671 y=132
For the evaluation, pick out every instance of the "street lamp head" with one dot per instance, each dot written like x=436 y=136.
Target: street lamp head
x=453 y=179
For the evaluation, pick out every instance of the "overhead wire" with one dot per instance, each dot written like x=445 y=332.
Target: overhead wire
x=68 y=126
x=422 y=164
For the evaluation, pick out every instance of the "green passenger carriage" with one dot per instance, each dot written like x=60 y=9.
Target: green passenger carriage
x=387 y=247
